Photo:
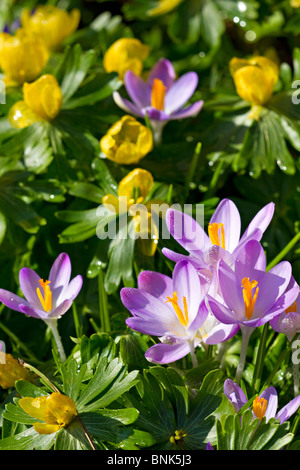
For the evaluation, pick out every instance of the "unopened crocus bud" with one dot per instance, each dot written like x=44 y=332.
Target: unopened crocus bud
x=11 y=371
x=125 y=54
x=127 y=141
x=22 y=56
x=42 y=101
x=52 y=23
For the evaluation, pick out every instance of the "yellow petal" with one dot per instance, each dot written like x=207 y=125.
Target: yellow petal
x=35 y=407
x=22 y=57
x=111 y=200
x=43 y=428
x=43 y=96
x=21 y=116
x=136 y=185
x=60 y=410
x=125 y=54
x=164 y=6
x=11 y=371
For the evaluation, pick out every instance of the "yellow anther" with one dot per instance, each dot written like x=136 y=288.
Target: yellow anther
x=291 y=308
x=260 y=407
x=182 y=316
x=249 y=299
x=158 y=94
x=213 y=233
x=46 y=301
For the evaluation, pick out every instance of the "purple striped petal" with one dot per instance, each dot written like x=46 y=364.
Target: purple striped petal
x=155 y=114
x=235 y=394
x=261 y=220
x=288 y=410
x=228 y=214
x=222 y=313
x=29 y=283
x=231 y=290
x=59 y=276
x=186 y=231
x=164 y=71
x=156 y=284
x=180 y=92
x=187 y=284
x=138 y=90
x=221 y=333
x=126 y=105
x=72 y=290
x=251 y=254
x=34 y=312
x=166 y=353
x=60 y=309
x=12 y=301
x=270 y=395
x=189 y=111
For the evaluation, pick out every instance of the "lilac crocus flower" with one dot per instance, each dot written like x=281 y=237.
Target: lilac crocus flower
x=175 y=311
x=47 y=300
x=252 y=296
x=264 y=405
x=223 y=241
x=162 y=97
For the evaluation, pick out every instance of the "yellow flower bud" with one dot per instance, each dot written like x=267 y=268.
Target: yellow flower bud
x=42 y=101
x=52 y=23
x=11 y=371
x=127 y=141
x=56 y=411
x=254 y=79
x=125 y=54
x=164 y=6
x=22 y=56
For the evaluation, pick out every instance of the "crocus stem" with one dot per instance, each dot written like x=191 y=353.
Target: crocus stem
x=192 y=169
x=283 y=252
x=260 y=359
x=193 y=354
x=103 y=305
x=157 y=130
x=246 y=333
x=53 y=326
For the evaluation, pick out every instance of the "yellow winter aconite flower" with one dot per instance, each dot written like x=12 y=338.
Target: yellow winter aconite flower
x=22 y=56
x=42 y=102
x=254 y=80
x=11 y=371
x=52 y=23
x=164 y=6
x=125 y=54
x=132 y=192
x=56 y=411
x=127 y=141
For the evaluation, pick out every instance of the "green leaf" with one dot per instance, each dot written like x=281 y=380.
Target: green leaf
x=28 y=440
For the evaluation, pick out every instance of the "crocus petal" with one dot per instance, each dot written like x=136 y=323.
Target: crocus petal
x=189 y=111
x=126 y=105
x=288 y=410
x=228 y=214
x=231 y=290
x=221 y=333
x=72 y=290
x=186 y=231
x=165 y=353
x=138 y=90
x=164 y=71
x=29 y=283
x=261 y=220
x=272 y=286
x=235 y=394
x=155 y=114
x=180 y=92
x=59 y=276
x=60 y=309
x=270 y=395
x=222 y=313
x=187 y=284
x=12 y=301
x=172 y=255
x=156 y=284
x=34 y=312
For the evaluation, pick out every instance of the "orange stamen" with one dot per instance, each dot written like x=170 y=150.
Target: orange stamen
x=158 y=94
x=260 y=407
x=213 y=233
x=183 y=317
x=46 y=301
x=291 y=308
x=249 y=299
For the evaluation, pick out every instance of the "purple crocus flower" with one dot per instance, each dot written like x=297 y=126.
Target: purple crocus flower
x=162 y=97
x=265 y=404
x=252 y=296
x=47 y=300
x=175 y=311
x=223 y=240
